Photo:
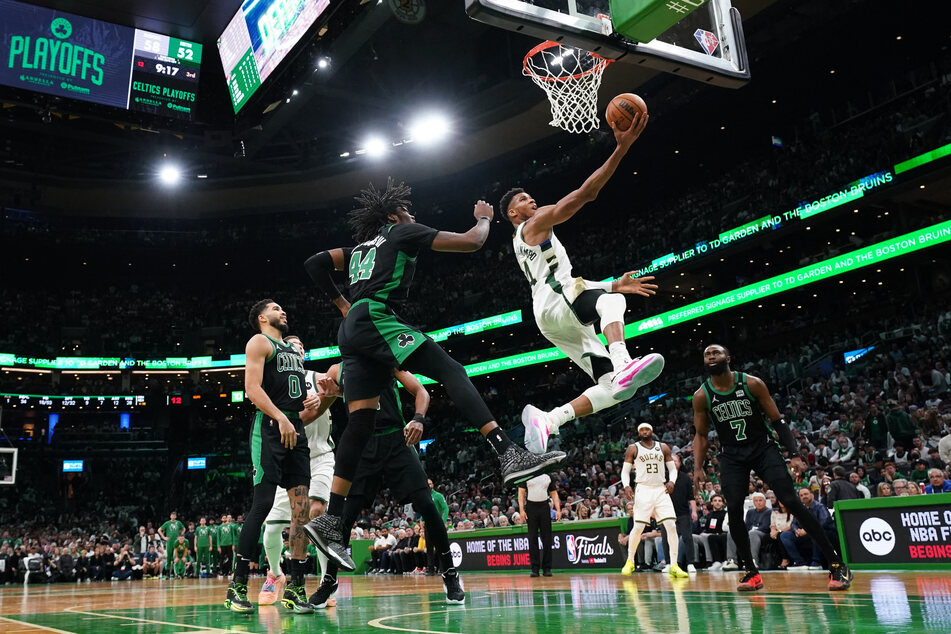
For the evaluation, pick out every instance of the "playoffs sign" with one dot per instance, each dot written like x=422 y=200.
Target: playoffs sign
x=581 y=548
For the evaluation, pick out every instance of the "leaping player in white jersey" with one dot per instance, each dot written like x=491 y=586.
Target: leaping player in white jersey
x=565 y=306
x=317 y=425
x=651 y=495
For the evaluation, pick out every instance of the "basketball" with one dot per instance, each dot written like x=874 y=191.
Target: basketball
x=622 y=109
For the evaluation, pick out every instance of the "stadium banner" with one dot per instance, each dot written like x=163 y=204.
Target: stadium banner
x=904 y=533
x=581 y=545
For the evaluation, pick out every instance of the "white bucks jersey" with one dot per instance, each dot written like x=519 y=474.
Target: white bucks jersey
x=649 y=465
x=318 y=432
x=547 y=268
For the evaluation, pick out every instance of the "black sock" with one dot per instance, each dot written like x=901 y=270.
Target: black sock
x=241 y=568
x=335 y=504
x=330 y=575
x=445 y=561
x=499 y=441
x=298 y=567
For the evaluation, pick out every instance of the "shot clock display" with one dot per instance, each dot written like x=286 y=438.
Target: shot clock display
x=67 y=55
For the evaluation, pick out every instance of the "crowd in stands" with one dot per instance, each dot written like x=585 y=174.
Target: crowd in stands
x=878 y=427
x=164 y=311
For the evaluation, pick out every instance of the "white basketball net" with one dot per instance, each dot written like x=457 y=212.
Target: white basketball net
x=571 y=78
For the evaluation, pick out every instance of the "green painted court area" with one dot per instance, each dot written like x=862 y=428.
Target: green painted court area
x=585 y=607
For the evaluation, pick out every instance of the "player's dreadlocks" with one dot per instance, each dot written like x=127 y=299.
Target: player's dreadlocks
x=375 y=208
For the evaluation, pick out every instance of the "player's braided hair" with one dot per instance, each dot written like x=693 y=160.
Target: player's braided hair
x=375 y=208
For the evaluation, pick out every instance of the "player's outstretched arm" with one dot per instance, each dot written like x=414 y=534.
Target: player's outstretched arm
x=702 y=427
x=551 y=215
x=629 y=284
x=320 y=266
x=473 y=239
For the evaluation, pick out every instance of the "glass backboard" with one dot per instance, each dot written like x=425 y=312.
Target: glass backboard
x=707 y=45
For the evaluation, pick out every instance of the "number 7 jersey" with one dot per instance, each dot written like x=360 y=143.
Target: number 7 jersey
x=736 y=414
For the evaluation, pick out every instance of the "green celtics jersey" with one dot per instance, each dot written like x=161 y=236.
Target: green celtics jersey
x=202 y=534
x=383 y=268
x=214 y=535
x=235 y=532
x=180 y=549
x=224 y=535
x=172 y=530
x=283 y=379
x=737 y=417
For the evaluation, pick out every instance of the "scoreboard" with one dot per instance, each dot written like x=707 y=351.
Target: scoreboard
x=67 y=55
x=73 y=402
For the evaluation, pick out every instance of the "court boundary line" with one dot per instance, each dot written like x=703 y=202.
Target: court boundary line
x=75 y=610
x=28 y=624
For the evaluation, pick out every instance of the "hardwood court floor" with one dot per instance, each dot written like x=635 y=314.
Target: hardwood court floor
x=573 y=603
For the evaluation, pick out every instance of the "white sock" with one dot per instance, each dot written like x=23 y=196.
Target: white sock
x=321 y=563
x=273 y=544
x=619 y=355
x=560 y=415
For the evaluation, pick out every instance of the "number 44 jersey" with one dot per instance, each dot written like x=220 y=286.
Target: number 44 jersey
x=383 y=268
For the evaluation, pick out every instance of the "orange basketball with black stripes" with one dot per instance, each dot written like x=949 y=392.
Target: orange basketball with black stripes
x=623 y=108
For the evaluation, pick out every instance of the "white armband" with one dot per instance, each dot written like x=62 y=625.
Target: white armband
x=626 y=474
x=672 y=470
x=602 y=286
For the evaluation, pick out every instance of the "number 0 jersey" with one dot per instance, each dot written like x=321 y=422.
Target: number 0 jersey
x=649 y=465
x=736 y=415
x=283 y=379
x=547 y=268
x=383 y=268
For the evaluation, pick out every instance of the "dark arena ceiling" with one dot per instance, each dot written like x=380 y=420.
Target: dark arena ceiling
x=383 y=72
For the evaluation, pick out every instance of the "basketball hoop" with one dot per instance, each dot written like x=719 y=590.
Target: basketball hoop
x=570 y=78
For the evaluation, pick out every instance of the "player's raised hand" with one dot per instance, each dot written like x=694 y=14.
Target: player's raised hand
x=631 y=285
x=625 y=138
x=312 y=402
x=483 y=210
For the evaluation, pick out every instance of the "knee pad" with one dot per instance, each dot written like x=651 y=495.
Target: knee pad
x=600 y=394
x=611 y=308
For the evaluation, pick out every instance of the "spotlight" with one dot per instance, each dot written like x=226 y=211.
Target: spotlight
x=170 y=174
x=375 y=147
x=323 y=63
x=429 y=129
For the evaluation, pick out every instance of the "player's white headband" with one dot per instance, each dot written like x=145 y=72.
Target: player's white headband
x=645 y=425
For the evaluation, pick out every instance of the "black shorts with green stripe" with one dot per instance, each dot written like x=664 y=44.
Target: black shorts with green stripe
x=272 y=461
x=373 y=341
x=387 y=459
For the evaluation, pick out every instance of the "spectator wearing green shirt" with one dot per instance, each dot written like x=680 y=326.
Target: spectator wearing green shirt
x=920 y=473
x=225 y=546
x=203 y=545
x=169 y=531
x=900 y=425
x=179 y=556
x=443 y=509
x=214 y=547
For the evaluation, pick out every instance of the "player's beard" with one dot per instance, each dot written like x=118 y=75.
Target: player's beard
x=276 y=322
x=721 y=367
x=648 y=438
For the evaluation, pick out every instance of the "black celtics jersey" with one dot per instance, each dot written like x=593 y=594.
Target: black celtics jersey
x=283 y=379
x=383 y=268
x=737 y=416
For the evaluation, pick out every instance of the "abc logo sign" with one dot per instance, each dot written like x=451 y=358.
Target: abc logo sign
x=877 y=536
